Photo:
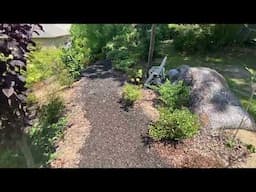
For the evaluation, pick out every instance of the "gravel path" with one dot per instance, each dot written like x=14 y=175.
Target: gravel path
x=115 y=140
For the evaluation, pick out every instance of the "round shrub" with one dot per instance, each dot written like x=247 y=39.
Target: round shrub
x=174 y=95
x=176 y=125
x=131 y=93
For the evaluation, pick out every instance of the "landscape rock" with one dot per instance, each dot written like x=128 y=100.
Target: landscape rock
x=212 y=100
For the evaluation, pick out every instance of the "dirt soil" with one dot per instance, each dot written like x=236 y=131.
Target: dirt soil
x=202 y=151
x=78 y=127
x=247 y=137
x=68 y=150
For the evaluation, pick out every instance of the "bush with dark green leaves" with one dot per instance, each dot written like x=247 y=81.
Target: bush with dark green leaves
x=51 y=112
x=204 y=37
x=174 y=96
x=74 y=59
x=124 y=44
x=42 y=137
x=122 y=60
x=87 y=42
x=11 y=158
x=176 y=121
x=251 y=148
x=176 y=125
x=123 y=50
x=44 y=134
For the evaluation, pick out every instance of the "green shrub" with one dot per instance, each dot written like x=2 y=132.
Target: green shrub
x=204 y=37
x=174 y=96
x=122 y=60
x=123 y=50
x=226 y=34
x=176 y=125
x=42 y=137
x=124 y=65
x=73 y=65
x=251 y=148
x=163 y=32
x=192 y=38
x=99 y=41
x=176 y=121
x=45 y=63
x=90 y=39
x=10 y=158
x=230 y=143
x=252 y=107
x=51 y=112
x=75 y=57
x=44 y=134
x=249 y=102
x=131 y=93
x=124 y=44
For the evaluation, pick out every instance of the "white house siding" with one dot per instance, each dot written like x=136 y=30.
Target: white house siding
x=54 y=35
x=50 y=42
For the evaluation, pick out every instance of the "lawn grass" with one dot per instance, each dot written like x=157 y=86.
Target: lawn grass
x=230 y=62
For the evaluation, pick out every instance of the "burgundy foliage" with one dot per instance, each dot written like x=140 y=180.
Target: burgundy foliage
x=13 y=112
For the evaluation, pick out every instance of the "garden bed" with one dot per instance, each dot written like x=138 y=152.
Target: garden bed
x=201 y=151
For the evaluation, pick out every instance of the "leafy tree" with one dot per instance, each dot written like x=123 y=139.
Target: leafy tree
x=204 y=37
x=126 y=45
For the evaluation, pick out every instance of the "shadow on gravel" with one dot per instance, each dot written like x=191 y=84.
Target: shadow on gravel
x=124 y=105
x=103 y=70
x=148 y=141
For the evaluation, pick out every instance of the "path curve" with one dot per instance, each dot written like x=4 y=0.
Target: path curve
x=115 y=140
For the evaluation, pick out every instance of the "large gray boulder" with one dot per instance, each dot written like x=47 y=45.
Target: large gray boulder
x=212 y=100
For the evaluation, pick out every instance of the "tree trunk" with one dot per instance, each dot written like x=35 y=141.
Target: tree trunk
x=25 y=149
x=151 y=50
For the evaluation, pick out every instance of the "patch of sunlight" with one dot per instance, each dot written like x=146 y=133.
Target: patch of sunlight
x=167 y=41
x=110 y=45
x=186 y=59
x=212 y=59
x=239 y=81
x=122 y=48
x=240 y=87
